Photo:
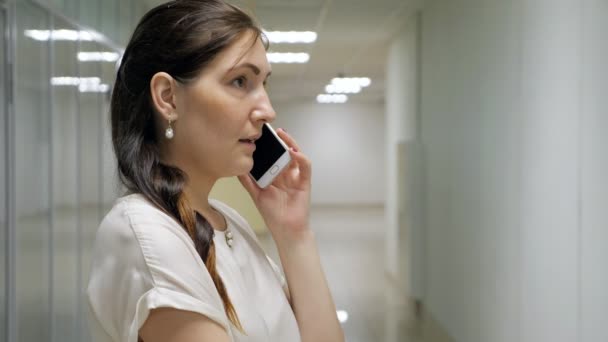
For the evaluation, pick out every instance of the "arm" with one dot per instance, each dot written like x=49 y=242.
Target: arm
x=171 y=325
x=284 y=205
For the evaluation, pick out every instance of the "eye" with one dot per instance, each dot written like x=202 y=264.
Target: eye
x=240 y=81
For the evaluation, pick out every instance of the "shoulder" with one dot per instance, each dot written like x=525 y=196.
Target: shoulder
x=115 y=237
x=135 y=224
x=143 y=259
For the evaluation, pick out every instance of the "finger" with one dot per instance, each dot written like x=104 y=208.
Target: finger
x=291 y=142
x=286 y=175
x=304 y=165
x=293 y=163
x=249 y=185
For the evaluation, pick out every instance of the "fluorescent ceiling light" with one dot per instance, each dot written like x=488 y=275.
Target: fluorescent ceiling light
x=291 y=37
x=288 y=57
x=84 y=84
x=332 y=98
x=74 y=81
x=98 y=56
x=361 y=81
x=342 y=316
x=347 y=85
x=342 y=88
x=70 y=35
x=93 y=88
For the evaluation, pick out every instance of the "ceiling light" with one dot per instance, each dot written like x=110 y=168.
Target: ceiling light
x=347 y=85
x=93 y=88
x=361 y=81
x=98 y=56
x=74 y=81
x=345 y=88
x=84 y=84
x=364 y=81
x=291 y=37
x=332 y=98
x=342 y=316
x=288 y=57
x=70 y=35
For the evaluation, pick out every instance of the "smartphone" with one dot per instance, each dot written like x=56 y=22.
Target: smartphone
x=271 y=156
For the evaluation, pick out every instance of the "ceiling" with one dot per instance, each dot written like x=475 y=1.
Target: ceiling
x=353 y=39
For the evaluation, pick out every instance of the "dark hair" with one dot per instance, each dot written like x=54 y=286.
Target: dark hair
x=180 y=38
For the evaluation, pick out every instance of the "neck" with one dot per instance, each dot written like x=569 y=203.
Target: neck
x=197 y=191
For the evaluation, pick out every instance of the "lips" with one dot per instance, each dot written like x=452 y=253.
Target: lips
x=251 y=138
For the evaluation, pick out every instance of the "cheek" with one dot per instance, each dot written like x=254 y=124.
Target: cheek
x=212 y=117
x=210 y=132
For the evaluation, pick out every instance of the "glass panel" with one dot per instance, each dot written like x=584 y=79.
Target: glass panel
x=32 y=212
x=89 y=11
x=58 y=5
x=89 y=159
x=110 y=188
x=65 y=196
x=3 y=175
x=124 y=22
x=139 y=11
x=109 y=18
x=71 y=8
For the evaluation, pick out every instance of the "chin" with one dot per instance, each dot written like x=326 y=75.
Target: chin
x=244 y=166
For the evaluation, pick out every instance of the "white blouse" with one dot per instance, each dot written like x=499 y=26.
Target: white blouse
x=143 y=259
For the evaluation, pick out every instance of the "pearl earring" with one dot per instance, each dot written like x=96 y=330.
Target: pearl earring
x=169 y=131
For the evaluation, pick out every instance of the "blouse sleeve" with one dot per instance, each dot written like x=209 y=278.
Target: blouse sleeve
x=144 y=260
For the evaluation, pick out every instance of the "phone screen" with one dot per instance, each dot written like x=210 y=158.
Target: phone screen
x=267 y=150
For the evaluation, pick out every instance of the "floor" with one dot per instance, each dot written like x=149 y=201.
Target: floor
x=351 y=245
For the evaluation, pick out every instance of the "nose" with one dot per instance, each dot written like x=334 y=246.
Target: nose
x=263 y=111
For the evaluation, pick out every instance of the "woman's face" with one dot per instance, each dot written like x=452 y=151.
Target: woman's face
x=227 y=103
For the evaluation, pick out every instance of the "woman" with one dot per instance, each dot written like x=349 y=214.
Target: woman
x=170 y=264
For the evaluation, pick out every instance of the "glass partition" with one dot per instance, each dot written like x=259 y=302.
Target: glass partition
x=90 y=100
x=65 y=179
x=3 y=174
x=32 y=176
x=65 y=191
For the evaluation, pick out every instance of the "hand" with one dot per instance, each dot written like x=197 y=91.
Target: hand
x=285 y=204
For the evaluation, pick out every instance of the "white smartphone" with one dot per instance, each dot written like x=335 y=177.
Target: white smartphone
x=270 y=157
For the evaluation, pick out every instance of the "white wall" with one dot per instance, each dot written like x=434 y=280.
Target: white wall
x=346 y=145
x=593 y=215
x=402 y=137
x=513 y=124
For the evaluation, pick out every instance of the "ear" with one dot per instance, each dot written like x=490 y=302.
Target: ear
x=163 y=89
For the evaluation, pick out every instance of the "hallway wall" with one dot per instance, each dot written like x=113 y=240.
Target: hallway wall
x=345 y=144
x=513 y=115
x=403 y=168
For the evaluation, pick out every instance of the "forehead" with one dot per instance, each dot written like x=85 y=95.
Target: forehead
x=244 y=49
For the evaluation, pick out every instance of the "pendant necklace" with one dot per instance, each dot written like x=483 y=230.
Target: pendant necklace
x=229 y=237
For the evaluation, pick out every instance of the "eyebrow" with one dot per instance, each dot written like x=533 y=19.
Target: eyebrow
x=253 y=67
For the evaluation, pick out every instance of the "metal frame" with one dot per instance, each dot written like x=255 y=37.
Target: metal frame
x=4 y=112
x=8 y=47
x=51 y=175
